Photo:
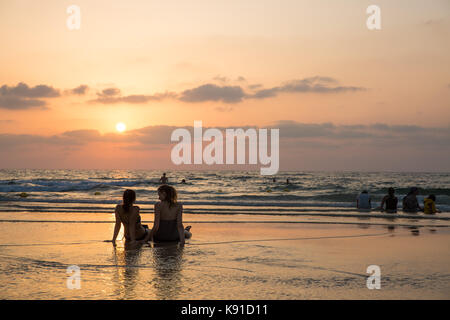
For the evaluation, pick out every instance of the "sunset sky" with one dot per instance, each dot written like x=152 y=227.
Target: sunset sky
x=344 y=97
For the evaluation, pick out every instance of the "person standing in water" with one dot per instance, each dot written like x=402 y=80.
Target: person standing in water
x=391 y=202
x=364 y=201
x=163 y=179
x=127 y=214
x=168 y=223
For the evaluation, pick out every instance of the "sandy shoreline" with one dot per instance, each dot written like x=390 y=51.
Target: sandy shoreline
x=223 y=261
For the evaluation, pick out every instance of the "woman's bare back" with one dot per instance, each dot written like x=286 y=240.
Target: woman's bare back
x=167 y=212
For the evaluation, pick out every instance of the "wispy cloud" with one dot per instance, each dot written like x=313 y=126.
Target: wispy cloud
x=312 y=84
x=113 y=95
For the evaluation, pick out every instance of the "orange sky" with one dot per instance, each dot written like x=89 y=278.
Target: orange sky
x=173 y=62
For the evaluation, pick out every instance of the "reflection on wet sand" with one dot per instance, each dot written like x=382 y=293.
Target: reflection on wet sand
x=168 y=261
x=391 y=227
x=364 y=225
x=127 y=272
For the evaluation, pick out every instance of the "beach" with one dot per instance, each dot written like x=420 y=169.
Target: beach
x=264 y=259
x=253 y=238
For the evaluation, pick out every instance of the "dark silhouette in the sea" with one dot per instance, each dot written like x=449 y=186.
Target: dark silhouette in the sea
x=429 y=205
x=287 y=181
x=391 y=202
x=168 y=223
x=183 y=181
x=410 y=202
x=364 y=201
x=127 y=214
x=163 y=179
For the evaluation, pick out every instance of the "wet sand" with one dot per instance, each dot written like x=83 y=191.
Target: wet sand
x=242 y=260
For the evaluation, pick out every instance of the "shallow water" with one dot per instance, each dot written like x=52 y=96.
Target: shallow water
x=211 y=192
x=238 y=260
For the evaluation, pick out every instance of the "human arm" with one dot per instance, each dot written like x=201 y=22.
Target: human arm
x=382 y=203
x=180 y=225
x=156 y=219
x=116 y=227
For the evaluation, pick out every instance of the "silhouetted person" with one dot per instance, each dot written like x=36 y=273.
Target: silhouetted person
x=168 y=223
x=364 y=201
x=183 y=181
x=391 y=202
x=410 y=202
x=128 y=215
x=163 y=179
x=429 y=206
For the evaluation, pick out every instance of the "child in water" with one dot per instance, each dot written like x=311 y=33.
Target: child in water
x=429 y=206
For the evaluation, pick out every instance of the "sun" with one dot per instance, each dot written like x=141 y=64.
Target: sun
x=121 y=127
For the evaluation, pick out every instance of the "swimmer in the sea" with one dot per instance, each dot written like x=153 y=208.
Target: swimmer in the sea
x=163 y=179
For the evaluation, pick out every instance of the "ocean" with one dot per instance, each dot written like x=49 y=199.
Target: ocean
x=220 y=192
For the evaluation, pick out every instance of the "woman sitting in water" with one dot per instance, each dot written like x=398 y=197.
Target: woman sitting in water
x=128 y=215
x=168 y=224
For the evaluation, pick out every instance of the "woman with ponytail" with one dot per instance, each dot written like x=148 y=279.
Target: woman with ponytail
x=128 y=215
x=168 y=224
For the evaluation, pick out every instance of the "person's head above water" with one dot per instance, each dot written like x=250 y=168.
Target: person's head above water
x=414 y=190
x=129 y=197
x=391 y=191
x=364 y=191
x=167 y=193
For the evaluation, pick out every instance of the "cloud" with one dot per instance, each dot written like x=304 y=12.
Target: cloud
x=112 y=96
x=17 y=103
x=300 y=134
x=433 y=22
x=212 y=92
x=255 y=86
x=235 y=94
x=220 y=78
x=24 y=91
x=80 y=90
x=22 y=96
x=230 y=94
x=312 y=84
x=109 y=92
x=379 y=133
